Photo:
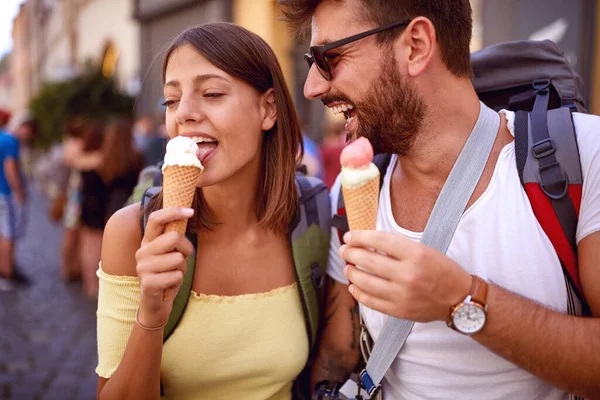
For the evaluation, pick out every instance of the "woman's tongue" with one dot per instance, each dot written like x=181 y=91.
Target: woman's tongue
x=205 y=149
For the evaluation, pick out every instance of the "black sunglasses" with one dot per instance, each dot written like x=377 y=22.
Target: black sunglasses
x=316 y=54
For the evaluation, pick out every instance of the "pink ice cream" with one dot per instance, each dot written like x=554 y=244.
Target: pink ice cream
x=357 y=165
x=357 y=154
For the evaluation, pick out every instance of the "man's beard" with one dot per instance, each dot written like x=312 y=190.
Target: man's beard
x=392 y=112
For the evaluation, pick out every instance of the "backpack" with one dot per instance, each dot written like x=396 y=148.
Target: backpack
x=534 y=79
x=309 y=235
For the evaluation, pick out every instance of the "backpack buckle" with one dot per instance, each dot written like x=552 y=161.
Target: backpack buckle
x=368 y=383
x=318 y=278
x=543 y=148
x=541 y=85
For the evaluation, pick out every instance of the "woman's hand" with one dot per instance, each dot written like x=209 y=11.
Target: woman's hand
x=161 y=265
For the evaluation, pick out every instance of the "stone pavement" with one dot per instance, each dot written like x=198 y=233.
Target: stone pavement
x=47 y=328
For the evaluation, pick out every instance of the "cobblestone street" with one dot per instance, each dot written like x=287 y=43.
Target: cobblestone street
x=47 y=328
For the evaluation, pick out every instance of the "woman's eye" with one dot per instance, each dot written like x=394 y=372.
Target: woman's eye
x=169 y=103
x=213 y=94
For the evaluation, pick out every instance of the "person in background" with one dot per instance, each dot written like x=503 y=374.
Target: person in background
x=71 y=214
x=156 y=148
x=13 y=194
x=312 y=158
x=109 y=166
x=143 y=132
x=334 y=142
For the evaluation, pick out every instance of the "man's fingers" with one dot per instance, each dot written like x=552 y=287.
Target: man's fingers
x=375 y=263
x=367 y=299
x=159 y=218
x=392 y=244
x=367 y=282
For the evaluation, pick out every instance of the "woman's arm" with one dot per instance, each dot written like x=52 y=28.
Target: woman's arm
x=159 y=263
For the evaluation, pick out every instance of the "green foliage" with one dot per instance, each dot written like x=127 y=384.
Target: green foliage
x=88 y=95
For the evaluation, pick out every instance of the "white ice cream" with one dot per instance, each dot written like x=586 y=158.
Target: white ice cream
x=181 y=151
x=355 y=177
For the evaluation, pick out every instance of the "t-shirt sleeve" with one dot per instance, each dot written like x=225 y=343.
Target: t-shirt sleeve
x=11 y=148
x=335 y=264
x=588 y=140
x=118 y=300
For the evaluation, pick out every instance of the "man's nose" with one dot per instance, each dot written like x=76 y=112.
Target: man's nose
x=315 y=86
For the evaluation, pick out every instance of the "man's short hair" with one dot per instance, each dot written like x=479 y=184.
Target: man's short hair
x=452 y=20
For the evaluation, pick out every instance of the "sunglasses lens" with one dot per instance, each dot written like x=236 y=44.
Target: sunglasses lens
x=322 y=64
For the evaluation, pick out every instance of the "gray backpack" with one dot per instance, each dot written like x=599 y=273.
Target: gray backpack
x=535 y=79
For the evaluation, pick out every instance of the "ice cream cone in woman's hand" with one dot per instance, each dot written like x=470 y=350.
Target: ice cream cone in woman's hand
x=181 y=170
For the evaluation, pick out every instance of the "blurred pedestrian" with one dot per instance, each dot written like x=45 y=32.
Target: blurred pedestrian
x=68 y=207
x=109 y=166
x=13 y=194
x=156 y=148
x=334 y=142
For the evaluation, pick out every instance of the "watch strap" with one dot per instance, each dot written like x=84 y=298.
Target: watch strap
x=479 y=290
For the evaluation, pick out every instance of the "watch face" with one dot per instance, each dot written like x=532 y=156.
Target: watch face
x=469 y=318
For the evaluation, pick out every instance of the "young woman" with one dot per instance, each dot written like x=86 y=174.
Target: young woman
x=109 y=167
x=242 y=334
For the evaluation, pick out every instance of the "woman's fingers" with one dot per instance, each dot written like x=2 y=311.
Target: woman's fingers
x=154 y=285
x=160 y=218
x=165 y=243
x=161 y=263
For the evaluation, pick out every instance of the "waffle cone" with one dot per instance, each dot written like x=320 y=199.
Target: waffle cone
x=362 y=203
x=179 y=187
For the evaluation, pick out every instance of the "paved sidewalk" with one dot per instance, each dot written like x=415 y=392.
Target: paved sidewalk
x=48 y=328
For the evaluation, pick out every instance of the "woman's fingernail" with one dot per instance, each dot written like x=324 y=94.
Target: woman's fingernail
x=188 y=212
x=351 y=289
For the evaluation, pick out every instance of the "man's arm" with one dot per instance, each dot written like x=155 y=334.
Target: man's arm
x=560 y=349
x=339 y=349
x=11 y=171
x=421 y=284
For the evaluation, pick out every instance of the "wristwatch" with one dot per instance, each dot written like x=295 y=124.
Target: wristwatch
x=469 y=316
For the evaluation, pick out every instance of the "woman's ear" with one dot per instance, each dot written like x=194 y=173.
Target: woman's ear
x=269 y=110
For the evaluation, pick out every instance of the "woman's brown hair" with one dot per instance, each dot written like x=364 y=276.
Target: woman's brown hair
x=246 y=56
x=118 y=153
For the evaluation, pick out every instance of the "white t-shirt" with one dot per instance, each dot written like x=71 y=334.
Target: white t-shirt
x=499 y=239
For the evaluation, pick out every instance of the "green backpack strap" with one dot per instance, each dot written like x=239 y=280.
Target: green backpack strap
x=310 y=249
x=182 y=297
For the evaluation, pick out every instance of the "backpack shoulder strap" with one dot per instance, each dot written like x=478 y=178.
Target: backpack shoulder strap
x=549 y=167
x=310 y=248
x=340 y=220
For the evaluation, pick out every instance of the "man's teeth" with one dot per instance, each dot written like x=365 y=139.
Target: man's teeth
x=341 y=108
x=202 y=139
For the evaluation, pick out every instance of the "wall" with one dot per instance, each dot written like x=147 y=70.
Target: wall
x=111 y=20
x=156 y=34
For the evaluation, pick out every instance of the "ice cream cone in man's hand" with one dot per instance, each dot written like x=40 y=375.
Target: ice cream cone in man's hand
x=181 y=170
x=360 y=185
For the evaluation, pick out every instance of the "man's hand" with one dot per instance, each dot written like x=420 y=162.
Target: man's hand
x=410 y=280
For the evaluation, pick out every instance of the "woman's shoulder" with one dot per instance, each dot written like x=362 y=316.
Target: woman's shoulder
x=121 y=240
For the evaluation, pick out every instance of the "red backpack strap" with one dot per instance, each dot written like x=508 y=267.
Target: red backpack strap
x=550 y=171
x=340 y=220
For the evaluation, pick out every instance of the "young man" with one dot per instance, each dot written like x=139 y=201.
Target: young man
x=12 y=195
x=408 y=90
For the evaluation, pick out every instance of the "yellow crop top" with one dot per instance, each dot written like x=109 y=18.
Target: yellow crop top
x=225 y=347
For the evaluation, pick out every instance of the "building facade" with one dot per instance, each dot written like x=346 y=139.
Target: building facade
x=160 y=22
x=54 y=39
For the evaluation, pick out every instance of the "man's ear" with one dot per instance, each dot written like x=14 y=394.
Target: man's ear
x=269 y=109
x=418 y=45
